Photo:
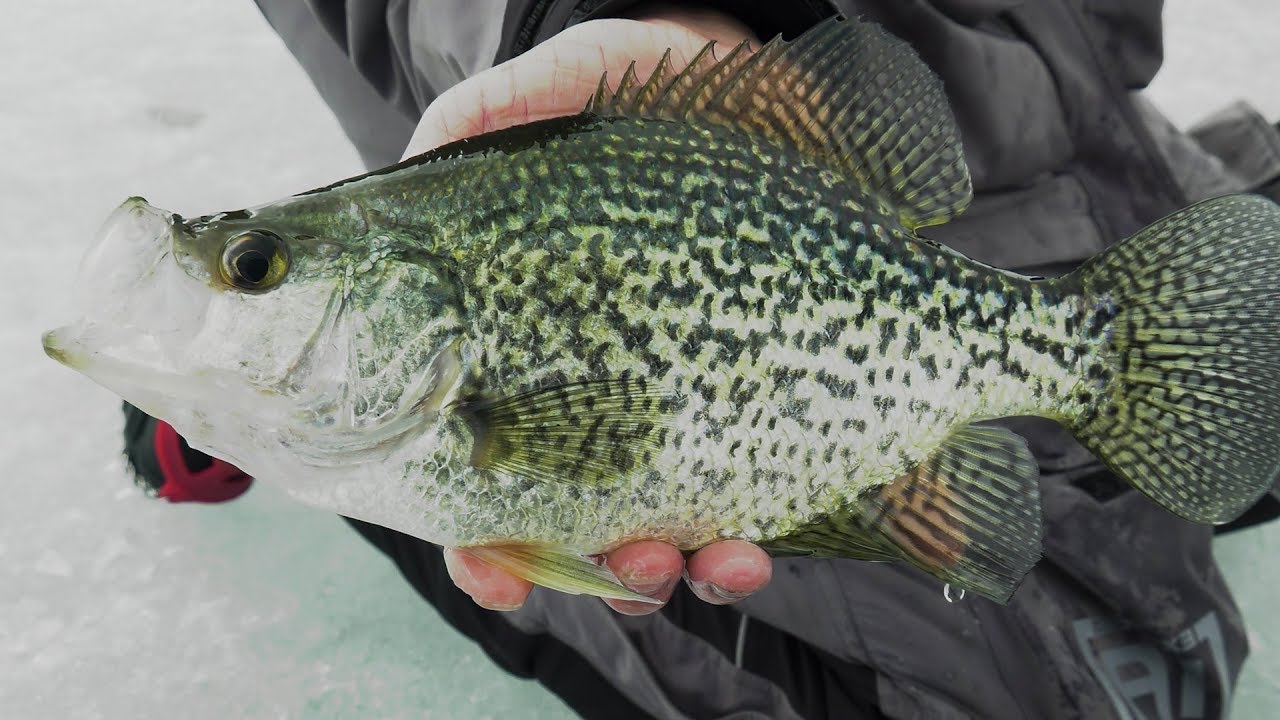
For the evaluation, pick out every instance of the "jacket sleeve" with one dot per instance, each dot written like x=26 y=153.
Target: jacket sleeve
x=545 y=18
x=378 y=64
x=409 y=51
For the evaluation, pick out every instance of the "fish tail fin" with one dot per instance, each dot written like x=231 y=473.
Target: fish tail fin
x=1188 y=402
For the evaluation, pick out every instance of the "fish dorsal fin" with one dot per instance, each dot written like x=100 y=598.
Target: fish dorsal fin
x=845 y=93
x=591 y=433
x=968 y=515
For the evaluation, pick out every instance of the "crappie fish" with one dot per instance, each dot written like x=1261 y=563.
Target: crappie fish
x=698 y=310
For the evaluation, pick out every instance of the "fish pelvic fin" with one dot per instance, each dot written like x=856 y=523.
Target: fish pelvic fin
x=846 y=94
x=556 y=569
x=1189 y=405
x=969 y=515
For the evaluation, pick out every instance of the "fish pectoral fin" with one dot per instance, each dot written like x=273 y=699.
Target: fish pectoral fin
x=556 y=569
x=969 y=515
x=596 y=432
x=846 y=93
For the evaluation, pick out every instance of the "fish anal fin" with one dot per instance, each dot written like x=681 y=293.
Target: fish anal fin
x=968 y=515
x=846 y=94
x=920 y=517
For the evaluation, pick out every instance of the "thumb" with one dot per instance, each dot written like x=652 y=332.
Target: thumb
x=555 y=78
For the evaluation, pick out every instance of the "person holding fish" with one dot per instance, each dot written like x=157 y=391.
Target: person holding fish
x=728 y=312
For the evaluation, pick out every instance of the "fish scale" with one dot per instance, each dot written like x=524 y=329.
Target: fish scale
x=708 y=325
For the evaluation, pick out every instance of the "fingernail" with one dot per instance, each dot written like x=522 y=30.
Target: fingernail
x=729 y=595
x=649 y=586
x=645 y=588
x=458 y=571
x=706 y=589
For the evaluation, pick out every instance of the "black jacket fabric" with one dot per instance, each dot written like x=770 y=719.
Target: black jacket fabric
x=1127 y=615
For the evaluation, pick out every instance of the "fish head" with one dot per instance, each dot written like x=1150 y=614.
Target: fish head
x=266 y=346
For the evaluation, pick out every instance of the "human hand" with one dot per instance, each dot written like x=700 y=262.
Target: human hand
x=554 y=79
x=721 y=573
x=557 y=77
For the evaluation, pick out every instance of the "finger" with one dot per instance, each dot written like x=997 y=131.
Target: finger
x=490 y=587
x=648 y=567
x=728 y=571
x=553 y=79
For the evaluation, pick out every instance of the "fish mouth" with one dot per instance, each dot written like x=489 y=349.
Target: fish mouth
x=82 y=347
x=71 y=345
x=86 y=348
x=128 y=249
x=195 y=405
x=127 y=280
x=56 y=349
x=140 y=385
x=131 y=297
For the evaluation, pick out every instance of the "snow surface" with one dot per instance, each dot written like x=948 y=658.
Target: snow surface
x=113 y=605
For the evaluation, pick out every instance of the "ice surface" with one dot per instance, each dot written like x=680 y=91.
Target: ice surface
x=113 y=605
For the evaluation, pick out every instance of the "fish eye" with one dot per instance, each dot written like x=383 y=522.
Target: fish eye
x=255 y=261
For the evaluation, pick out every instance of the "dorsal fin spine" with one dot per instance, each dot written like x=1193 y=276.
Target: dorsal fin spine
x=657 y=82
x=735 y=66
x=846 y=95
x=628 y=81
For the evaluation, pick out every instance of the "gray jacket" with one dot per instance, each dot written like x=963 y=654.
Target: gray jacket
x=1127 y=615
